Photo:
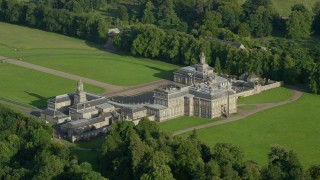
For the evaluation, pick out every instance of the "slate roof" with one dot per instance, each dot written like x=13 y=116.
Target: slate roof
x=91 y=103
x=133 y=110
x=105 y=106
x=87 y=110
x=53 y=113
x=62 y=98
x=191 y=69
x=156 y=106
x=84 y=122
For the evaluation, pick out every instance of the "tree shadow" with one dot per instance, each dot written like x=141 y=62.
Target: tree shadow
x=35 y=113
x=41 y=101
x=298 y=87
x=98 y=46
x=162 y=74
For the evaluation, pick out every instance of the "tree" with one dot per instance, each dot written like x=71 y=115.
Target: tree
x=148 y=41
x=123 y=13
x=188 y=160
x=217 y=66
x=137 y=152
x=167 y=16
x=230 y=13
x=230 y=173
x=283 y=164
x=212 y=170
x=115 y=156
x=314 y=79
x=29 y=18
x=50 y=166
x=156 y=167
x=211 y=22
x=82 y=171
x=316 y=21
x=299 y=23
x=5 y=153
x=244 y=30
x=147 y=128
x=193 y=135
x=12 y=11
x=170 y=47
x=225 y=153
x=251 y=171
x=260 y=22
x=250 y=6
x=148 y=16
x=186 y=10
x=98 y=30
x=314 y=172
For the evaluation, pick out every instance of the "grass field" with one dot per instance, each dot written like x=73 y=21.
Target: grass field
x=269 y=96
x=13 y=105
x=34 y=87
x=24 y=38
x=109 y=68
x=283 y=7
x=295 y=126
x=77 y=57
x=184 y=122
x=95 y=143
x=247 y=107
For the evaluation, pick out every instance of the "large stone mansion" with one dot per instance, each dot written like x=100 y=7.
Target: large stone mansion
x=202 y=93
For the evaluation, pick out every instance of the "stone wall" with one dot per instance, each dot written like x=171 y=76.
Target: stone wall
x=220 y=106
x=88 y=135
x=271 y=86
x=259 y=89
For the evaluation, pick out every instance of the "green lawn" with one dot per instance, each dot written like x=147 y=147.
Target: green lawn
x=269 y=96
x=283 y=7
x=294 y=126
x=184 y=122
x=93 y=143
x=109 y=68
x=23 y=38
x=77 y=57
x=13 y=105
x=34 y=87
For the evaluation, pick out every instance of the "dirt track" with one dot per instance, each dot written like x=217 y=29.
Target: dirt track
x=243 y=113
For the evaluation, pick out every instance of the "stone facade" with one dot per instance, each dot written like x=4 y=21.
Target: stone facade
x=80 y=113
x=204 y=94
x=198 y=73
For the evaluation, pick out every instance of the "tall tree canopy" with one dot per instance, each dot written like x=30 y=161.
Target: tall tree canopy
x=299 y=23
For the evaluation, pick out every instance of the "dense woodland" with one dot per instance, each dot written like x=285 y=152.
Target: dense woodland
x=27 y=151
x=176 y=31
